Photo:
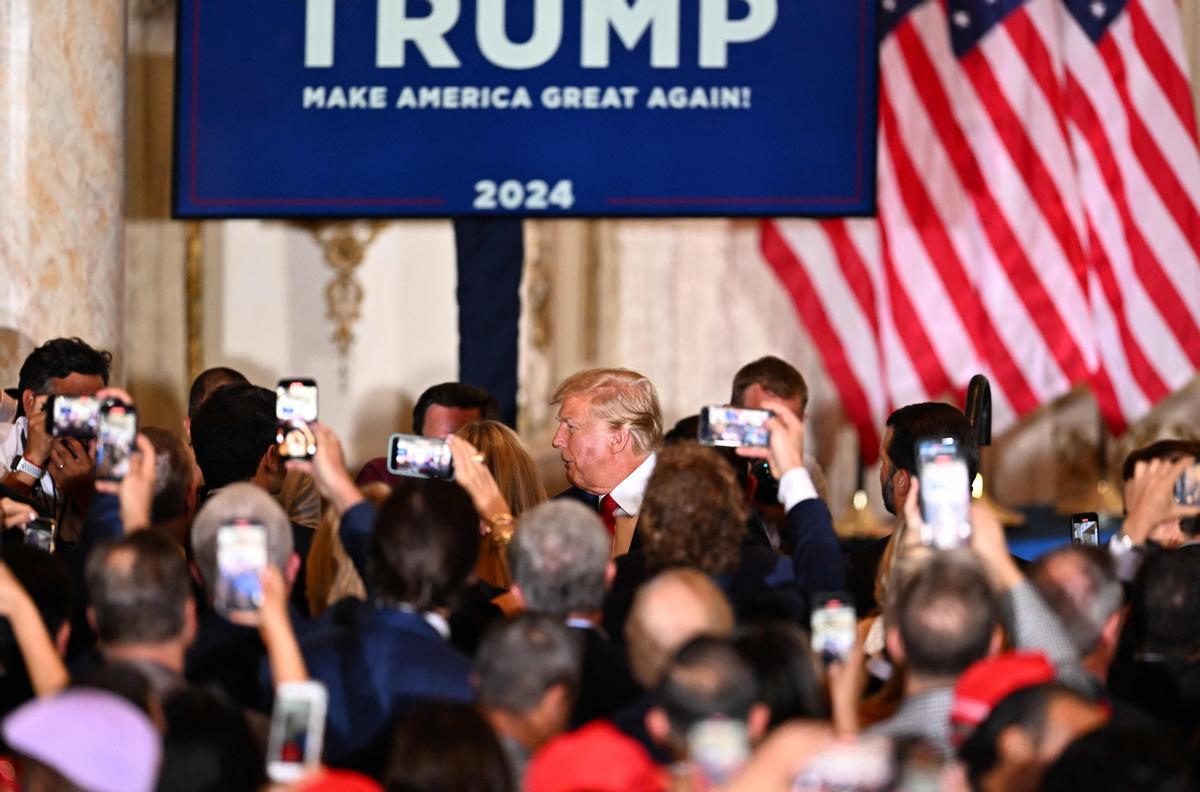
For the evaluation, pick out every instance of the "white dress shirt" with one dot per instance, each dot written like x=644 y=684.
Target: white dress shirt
x=630 y=492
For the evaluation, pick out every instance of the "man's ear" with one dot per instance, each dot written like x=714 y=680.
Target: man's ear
x=189 y=622
x=1111 y=634
x=618 y=440
x=895 y=645
x=28 y=401
x=757 y=722
x=91 y=619
x=62 y=638
x=901 y=484
x=519 y=596
x=292 y=569
x=997 y=643
x=658 y=726
x=1014 y=747
x=610 y=574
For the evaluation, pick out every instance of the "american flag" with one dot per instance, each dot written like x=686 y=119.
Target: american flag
x=1039 y=215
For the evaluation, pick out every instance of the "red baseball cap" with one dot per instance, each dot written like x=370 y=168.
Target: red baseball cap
x=989 y=681
x=595 y=758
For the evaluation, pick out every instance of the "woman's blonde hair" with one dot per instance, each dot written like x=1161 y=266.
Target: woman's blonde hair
x=517 y=477
x=622 y=399
x=329 y=573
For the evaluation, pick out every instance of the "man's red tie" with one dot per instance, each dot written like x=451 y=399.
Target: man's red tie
x=608 y=513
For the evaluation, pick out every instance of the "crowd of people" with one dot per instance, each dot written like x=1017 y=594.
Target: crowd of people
x=646 y=629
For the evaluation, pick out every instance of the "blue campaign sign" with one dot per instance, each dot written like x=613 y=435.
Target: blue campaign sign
x=350 y=108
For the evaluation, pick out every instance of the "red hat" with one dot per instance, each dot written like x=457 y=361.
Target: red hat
x=327 y=780
x=595 y=758
x=989 y=681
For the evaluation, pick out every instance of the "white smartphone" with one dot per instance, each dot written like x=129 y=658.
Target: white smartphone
x=241 y=558
x=945 y=493
x=297 y=730
x=733 y=427
x=834 y=630
x=420 y=457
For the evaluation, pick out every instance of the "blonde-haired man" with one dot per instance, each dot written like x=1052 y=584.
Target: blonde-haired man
x=609 y=426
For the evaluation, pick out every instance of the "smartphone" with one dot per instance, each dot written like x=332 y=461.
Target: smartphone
x=420 y=457
x=73 y=416
x=945 y=493
x=734 y=427
x=834 y=629
x=1187 y=486
x=297 y=730
x=40 y=532
x=295 y=411
x=1085 y=528
x=241 y=558
x=858 y=764
x=116 y=439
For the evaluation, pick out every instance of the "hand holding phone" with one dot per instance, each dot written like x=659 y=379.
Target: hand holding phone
x=40 y=533
x=116 y=438
x=297 y=730
x=733 y=427
x=296 y=411
x=1187 y=486
x=834 y=630
x=73 y=416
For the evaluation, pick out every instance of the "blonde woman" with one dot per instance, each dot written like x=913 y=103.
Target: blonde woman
x=510 y=464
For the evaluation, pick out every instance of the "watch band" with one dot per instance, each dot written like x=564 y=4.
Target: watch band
x=27 y=467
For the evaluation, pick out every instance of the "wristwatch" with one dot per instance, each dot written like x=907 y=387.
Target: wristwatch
x=27 y=467
x=1123 y=541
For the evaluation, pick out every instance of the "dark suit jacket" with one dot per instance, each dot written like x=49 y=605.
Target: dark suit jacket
x=605 y=685
x=377 y=666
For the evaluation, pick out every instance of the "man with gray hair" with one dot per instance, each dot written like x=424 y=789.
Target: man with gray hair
x=527 y=675
x=609 y=426
x=559 y=561
x=224 y=654
x=1081 y=586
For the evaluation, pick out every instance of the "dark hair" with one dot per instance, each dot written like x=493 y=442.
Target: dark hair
x=61 y=357
x=707 y=678
x=208 y=381
x=1170 y=450
x=946 y=612
x=693 y=514
x=454 y=394
x=519 y=660
x=787 y=679
x=1165 y=605
x=425 y=543
x=208 y=746
x=121 y=679
x=45 y=580
x=231 y=431
x=139 y=588
x=173 y=472
x=1025 y=709
x=446 y=747
x=930 y=419
x=773 y=375
x=1116 y=758
x=1088 y=600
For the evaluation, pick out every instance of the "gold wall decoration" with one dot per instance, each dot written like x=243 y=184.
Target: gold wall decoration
x=194 y=297
x=345 y=245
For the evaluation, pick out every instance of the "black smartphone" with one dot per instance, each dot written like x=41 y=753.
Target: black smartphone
x=73 y=416
x=1085 y=528
x=295 y=411
x=116 y=439
x=733 y=427
x=420 y=457
x=945 y=493
x=1187 y=486
x=40 y=533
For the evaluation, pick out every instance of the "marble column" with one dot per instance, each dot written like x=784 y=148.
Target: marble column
x=62 y=165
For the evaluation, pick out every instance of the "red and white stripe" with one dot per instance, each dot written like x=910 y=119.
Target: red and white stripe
x=1039 y=221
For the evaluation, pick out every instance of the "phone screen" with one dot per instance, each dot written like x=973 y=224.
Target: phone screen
x=297 y=730
x=39 y=532
x=116 y=437
x=295 y=409
x=945 y=487
x=420 y=457
x=1085 y=529
x=73 y=416
x=241 y=558
x=834 y=630
x=734 y=427
x=1187 y=486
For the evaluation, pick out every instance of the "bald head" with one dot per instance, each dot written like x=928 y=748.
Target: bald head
x=1081 y=585
x=670 y=610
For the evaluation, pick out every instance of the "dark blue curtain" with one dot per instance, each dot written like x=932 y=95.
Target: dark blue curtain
x=490 y=258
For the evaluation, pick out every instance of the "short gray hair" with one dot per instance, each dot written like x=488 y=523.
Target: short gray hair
x=1093 y=595
x=558 y=556
x=518 y=661
x=241 y=501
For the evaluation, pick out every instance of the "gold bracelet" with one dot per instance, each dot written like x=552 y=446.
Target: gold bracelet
x=502 y=528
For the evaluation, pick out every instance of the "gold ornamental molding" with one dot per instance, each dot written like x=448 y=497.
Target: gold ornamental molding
x=194 y=297
x=345 y=246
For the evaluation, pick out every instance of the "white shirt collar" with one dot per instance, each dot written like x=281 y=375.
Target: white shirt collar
x=630 y=492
